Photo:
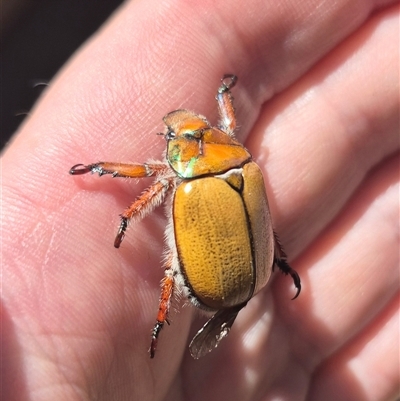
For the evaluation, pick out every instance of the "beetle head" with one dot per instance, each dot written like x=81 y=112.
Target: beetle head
x=195 y=149
x=185 y=123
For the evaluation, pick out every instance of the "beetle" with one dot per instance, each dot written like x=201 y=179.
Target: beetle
x=221 y=244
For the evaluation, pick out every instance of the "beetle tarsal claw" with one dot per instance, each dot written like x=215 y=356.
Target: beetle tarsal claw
x=286 y=269
x=121 y=232
x=154 y=338
x=228 y=82
x=297 y=282
x=79 y=169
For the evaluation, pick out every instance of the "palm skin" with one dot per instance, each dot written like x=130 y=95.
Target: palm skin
x=317 y=106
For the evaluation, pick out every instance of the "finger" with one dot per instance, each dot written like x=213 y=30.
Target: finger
x=369 y=261
x=318 y=140
x=353 y=270
x=366 y=369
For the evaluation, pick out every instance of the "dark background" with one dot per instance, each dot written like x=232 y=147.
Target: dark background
x=36 y=39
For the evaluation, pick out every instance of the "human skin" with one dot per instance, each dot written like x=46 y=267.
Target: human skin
x=318 y=107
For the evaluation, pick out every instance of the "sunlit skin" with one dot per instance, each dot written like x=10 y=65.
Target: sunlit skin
x=317 y=107
x=221 y=244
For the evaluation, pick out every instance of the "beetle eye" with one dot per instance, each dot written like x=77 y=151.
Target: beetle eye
x=170 y=135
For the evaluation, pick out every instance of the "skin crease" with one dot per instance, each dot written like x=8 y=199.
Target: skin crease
x=317 y=105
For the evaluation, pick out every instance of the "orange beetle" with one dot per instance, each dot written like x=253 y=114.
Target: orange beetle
x=221 y=244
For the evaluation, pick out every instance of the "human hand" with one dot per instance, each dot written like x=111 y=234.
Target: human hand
x=317 y=105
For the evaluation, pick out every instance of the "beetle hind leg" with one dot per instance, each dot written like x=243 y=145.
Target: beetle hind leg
x=167 y=289
x=283 y=265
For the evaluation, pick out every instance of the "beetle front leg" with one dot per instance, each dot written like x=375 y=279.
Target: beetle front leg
x=283 y=265
x=167 y=288
x=127 y=170
x=225 y=104
x=143 y=205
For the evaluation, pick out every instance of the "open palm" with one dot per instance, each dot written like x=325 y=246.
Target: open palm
x=317 y=105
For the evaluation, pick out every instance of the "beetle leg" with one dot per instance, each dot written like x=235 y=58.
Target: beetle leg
x=167 y=288
x=128 y=170
x=225 y=104
x=281 y=262
x=143 y=205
